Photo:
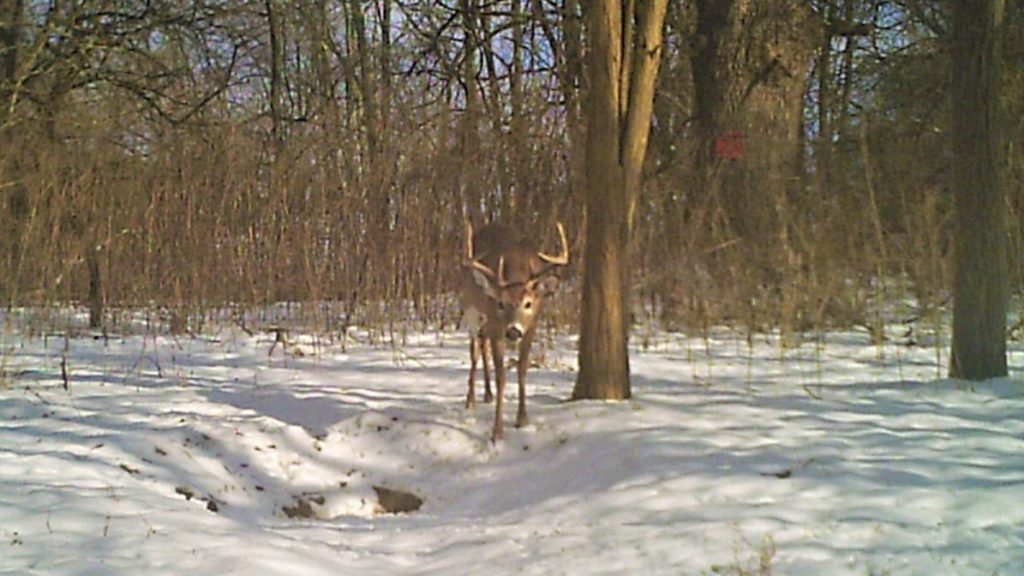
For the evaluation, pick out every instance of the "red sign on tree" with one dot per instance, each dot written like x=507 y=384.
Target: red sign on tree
x=729 y=145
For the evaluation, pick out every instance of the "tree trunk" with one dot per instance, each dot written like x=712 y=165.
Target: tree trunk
x=636 y=116
x=92 y=259
x=275 y=30
x=517 y=143
x=11 y=12
x=750 y=73
x=823 y=166
x=10 y=32
x=367 y=90
x=980 y=276
x=470 y=172
x=603 y=356
x=623 y=68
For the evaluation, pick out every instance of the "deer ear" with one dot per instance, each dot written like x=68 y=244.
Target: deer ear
x=485 y=283
x=548 y=285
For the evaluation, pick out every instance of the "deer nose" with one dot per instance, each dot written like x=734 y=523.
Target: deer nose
x=513 y=333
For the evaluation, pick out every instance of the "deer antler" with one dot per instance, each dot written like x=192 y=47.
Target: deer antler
x=502 y=281
x=563 y=258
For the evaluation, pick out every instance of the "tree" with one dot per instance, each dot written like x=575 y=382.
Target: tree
x=751 y=63
x=625 y=42
x=11 y=14
x=980 y=276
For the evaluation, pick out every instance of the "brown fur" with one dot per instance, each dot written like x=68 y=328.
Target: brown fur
x=507 y=293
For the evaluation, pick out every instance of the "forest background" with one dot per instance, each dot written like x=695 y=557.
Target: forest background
x=187 y=158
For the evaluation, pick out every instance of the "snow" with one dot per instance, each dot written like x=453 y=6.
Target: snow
x=184 y=456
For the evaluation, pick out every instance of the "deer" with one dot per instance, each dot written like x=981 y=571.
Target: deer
x=504 y=281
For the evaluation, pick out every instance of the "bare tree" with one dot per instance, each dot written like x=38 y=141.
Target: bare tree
x=307 y=147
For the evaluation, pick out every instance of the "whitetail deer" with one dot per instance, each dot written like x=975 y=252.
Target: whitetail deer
x=502 y=287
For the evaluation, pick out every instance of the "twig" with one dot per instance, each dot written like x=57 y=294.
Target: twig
x=64 y=373
x=64 y=363
x=812 y=394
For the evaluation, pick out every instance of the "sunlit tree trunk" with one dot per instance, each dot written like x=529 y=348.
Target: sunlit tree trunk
x=980 y=276
x=625 y=41
x=603 y=356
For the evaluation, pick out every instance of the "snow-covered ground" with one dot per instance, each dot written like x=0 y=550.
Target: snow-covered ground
x=208 y=455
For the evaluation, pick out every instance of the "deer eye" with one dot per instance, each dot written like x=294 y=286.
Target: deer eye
x=528 y=304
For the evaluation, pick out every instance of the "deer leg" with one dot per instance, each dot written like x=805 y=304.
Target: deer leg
x=498 y=354
x=475 y=345
x=522 y=366
x=488 y=395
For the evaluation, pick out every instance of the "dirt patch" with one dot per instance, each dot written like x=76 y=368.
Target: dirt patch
x=303 y=507
x=393 y=501
x=316 y=505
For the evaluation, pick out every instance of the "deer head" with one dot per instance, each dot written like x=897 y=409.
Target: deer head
x=513 y=274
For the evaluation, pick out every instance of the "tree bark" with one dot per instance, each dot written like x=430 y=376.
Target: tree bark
x=10 y=31
x=96 y=308
x=11 y=12
x=623 y=60
x=275 y=31
x=637 y=115
x=823 y=166
x=603 y=355
x=750 y=72
x=980 y=276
